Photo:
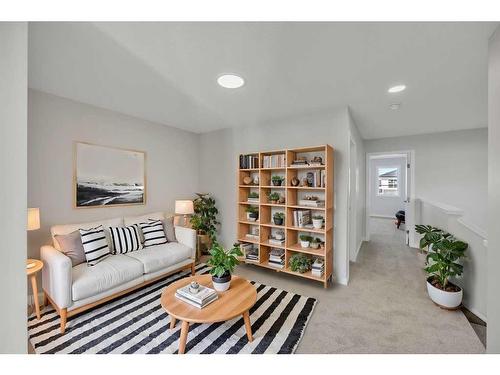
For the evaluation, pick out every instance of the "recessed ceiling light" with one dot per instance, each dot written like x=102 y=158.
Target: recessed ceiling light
x=395 y=106
x=230 y=81
x=397 y=88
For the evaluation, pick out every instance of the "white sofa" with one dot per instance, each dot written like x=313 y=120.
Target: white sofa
x=72 y=290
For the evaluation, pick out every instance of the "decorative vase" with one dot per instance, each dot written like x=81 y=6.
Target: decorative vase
x=444 y=299
x=304 y=244
x=317 y=223
x=277 y=182
x=252 y=216
x=221 y=284
x=278 y=220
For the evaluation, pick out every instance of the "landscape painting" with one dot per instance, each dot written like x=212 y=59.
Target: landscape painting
x=107 y=176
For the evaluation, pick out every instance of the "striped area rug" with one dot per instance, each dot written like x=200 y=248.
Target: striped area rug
x=136 y=323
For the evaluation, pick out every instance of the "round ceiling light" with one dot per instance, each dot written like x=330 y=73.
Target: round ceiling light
x=397 y=88
x=230 y=81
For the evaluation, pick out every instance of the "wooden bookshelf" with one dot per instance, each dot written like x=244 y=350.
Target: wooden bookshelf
x=292 y=195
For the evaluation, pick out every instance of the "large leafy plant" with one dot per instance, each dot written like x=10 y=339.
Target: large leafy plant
x=204 y=220
x=442 y=259
x=300 y=263
x=223 y=261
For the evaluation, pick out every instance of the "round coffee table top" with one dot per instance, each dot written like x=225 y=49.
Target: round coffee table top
x=240 y=297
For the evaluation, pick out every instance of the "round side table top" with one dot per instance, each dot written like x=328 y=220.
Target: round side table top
x=240 y=297
x=37 y=266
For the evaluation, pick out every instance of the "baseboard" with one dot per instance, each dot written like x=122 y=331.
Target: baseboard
x=31 y=301
x=476 y=313
x=342 y=280
x=355 y=258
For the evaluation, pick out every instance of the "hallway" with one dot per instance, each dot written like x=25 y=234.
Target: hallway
x=385 y=308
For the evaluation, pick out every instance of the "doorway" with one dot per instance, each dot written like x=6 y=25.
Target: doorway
x=389 y=190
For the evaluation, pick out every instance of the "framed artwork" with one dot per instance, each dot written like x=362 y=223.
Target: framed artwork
x=108 y=176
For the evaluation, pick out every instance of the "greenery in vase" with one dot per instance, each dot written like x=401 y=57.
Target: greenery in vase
x=274 y=196
x=253 y=194
x=252 y=209
x=442 y=259
x=204 y=220
x=279 y=215
x=317 y=217
x=305 y=237
x=223 y=261
x=300 y=263
x=277 y=178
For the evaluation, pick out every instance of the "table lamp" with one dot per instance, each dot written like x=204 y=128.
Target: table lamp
x=185 y=208
x=33 y=224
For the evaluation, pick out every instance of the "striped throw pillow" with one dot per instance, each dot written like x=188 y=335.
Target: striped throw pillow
x=125 y=239
x=95 y=245
x=153 y=233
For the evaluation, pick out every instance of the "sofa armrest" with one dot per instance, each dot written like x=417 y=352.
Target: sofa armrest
x=187 y=237
x=57 y=277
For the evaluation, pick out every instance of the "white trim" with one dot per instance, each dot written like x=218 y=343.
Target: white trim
x=476 y=313
x=446 y=208
x=475 y=229
x=357 y=251
x=383 y=216
x=342 y=281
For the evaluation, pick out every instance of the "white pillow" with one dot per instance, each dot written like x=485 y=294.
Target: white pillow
x=95 y=245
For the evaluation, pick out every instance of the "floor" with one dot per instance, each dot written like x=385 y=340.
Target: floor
x=385 y=308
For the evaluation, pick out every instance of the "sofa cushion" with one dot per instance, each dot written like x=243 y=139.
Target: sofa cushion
x=109 y=273
x=71 y=245
x=157 y=257
x=68 y=228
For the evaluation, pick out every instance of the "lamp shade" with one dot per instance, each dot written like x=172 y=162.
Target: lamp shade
x=184 y=207
x=33 y=218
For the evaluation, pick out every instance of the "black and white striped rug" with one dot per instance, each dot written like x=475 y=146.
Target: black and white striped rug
x=136 y=323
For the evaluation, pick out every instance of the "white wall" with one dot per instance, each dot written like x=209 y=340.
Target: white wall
x=386 y=205
x=13 y=96
x=450 y=168
x=493 y=333
x=358 y=190
x=218 y=166
x=54 y=123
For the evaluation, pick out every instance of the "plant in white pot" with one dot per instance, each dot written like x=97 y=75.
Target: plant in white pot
x=305 y=240
x=223 y=263
x=445 y=251
x=317 y=221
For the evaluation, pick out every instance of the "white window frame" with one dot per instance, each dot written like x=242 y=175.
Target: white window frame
x=398 y=174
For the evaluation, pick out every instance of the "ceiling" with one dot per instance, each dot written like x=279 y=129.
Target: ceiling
x=166 y=72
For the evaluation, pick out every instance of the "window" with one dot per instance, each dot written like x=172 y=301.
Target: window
x=388 y=181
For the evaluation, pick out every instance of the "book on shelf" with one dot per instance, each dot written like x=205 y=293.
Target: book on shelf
x=316 y=178
x=249 y=161
x=253 y=237
x=318 y=267
x=274 y=241
x=311 y=203
x=301 y=218
x=253 y=200
x=274 y=161
x=252 y=253
x=196 y=304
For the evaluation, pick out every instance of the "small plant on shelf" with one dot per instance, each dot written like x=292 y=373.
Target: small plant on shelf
x=315 y=243
x=300 y=263
x=277 y=180
x=252 y=213
x=273 y=197
x=305 y=240
x=278 y=218
x=253 y=194
x=317 y=221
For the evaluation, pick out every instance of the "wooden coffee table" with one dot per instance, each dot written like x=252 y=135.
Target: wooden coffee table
x=237 y=300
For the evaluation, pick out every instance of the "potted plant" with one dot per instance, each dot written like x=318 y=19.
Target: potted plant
x=305 y=240
x=252 y=213
x=300 y=263
x=273 y=197
x=317 y=221
x=222 y=263
x=253 y=197
x=315 y=243
x=278 y=218
x=444 y=252
x=321 y=243
x=277 y=180
x=204 y=220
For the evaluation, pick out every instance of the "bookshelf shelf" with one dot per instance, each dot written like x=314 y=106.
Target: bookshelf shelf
x=281 y=162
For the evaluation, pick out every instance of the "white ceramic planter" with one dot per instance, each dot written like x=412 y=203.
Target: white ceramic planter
x=318 y=223
x=221 y=284
x=446 y=300
x=304 y=244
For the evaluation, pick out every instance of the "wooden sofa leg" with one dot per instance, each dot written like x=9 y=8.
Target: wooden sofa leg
x=192 y=269
x=64 y=314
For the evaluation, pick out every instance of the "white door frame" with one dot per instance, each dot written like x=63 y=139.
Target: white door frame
x=351 y=203
x=410 y=187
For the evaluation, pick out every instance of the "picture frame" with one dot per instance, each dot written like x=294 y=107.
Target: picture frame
x=108 y=176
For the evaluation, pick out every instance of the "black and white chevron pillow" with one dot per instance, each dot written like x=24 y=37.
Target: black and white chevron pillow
x=95 y=245
x=125 y=239
x=153 y=233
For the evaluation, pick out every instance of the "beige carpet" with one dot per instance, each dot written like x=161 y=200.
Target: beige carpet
x=385 y=308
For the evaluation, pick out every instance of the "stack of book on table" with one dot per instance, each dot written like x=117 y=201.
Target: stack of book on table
x=252 y=254
x=202 y=298
x=277 y=258
x=318 y=267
